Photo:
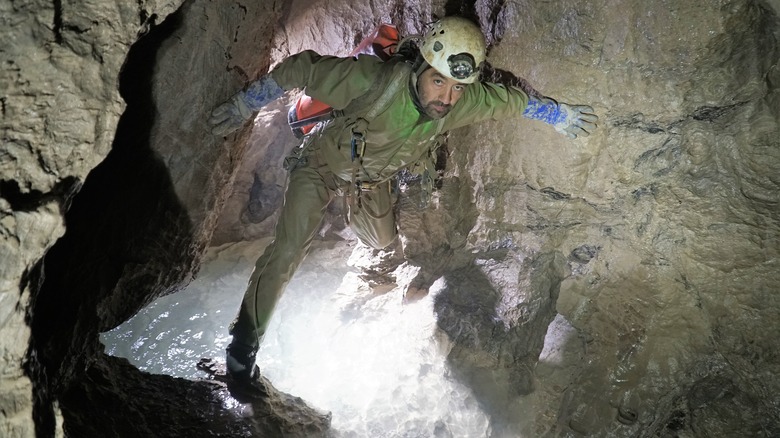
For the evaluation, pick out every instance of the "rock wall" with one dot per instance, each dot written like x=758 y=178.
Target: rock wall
x=667 y=217
x=653 y=244
x=59 y=110
x=143 y=216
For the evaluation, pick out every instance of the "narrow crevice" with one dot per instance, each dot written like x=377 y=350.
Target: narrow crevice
x=636 y=121
x=463 y=8
x=43 y=401
x=713 y=113
x=496 y=33
x=554 y=194
x=508 y=79
x=702 y=114
x=57 y=21
x=142 y=14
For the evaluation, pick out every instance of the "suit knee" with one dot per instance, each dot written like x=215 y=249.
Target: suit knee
x=381 y=241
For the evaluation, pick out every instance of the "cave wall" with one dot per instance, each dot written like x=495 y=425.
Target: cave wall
x=655 y=240
x=60 y=108
x=667 y=216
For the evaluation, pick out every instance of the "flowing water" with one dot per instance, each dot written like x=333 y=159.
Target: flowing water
x=370 y=359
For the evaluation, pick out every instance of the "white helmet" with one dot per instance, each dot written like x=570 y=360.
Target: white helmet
x=455 y=47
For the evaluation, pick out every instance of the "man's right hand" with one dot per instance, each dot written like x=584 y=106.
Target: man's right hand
x=230 y=115
x=234 y=112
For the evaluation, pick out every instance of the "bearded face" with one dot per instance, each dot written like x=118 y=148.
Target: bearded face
x=438 y=93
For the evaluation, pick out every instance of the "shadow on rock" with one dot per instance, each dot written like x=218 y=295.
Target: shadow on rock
x=140 y=404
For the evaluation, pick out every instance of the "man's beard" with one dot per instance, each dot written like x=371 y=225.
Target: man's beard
x=437 y=113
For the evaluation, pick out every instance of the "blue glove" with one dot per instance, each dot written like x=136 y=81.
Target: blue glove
x=232 y=114
x=570 y=120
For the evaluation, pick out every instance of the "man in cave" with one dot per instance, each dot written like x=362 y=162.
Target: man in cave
x=388 y=116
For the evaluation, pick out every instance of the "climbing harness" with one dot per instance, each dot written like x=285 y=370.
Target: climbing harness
x=308 y=118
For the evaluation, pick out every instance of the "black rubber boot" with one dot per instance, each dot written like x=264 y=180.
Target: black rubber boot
x=245 y=375
x=240 y=360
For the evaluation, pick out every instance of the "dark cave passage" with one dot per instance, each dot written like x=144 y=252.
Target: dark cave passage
x=126 y=215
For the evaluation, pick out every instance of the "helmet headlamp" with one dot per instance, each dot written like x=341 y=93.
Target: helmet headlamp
x=462 y=66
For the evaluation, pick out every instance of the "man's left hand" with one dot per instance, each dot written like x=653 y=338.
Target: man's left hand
x=580 y=120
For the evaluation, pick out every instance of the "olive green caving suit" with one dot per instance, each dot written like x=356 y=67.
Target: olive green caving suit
x=398 y=137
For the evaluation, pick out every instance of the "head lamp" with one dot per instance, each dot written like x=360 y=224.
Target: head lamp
x=462 y=66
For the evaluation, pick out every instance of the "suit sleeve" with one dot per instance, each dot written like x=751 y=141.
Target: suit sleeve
x=487 y=101
x=332 y=80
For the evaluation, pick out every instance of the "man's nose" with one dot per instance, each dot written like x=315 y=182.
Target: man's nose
x=446 y=96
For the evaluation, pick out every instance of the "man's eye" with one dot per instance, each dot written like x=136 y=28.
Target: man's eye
x=438 y=81
x=459 y=88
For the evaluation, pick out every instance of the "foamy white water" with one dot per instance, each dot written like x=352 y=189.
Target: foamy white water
x=368 y=358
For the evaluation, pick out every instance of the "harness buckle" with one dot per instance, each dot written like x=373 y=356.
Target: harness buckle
x=365 y=186
x=358 y=145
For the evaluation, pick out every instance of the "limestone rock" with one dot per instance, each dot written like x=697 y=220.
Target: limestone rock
x=156 y=405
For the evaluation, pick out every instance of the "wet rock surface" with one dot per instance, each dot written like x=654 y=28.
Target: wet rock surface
x=653 y=244
x=156 y=405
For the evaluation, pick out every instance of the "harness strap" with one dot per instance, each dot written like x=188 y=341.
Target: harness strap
x=392 y=80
